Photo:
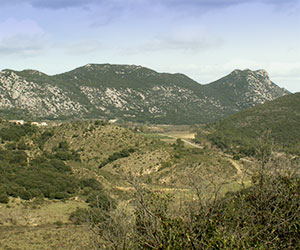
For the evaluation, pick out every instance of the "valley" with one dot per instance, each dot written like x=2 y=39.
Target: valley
x=125 y=184
x=164 y=162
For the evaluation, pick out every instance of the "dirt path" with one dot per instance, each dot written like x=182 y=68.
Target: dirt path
x=184 y=140
x=236 y=166
x=191 y=143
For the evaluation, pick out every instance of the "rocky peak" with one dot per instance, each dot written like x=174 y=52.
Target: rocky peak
x=259 y=86
x=245 y=88
x=263 y=73
x=246 y=72
x=247 y=77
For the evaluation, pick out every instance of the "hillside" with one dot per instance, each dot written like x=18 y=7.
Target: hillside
x=65 y=155
x=45 y=178
x=280 y=118
x=91 y=183
x=131 y=93
x=114 y=153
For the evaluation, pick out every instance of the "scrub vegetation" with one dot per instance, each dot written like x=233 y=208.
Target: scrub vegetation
x=102 y=186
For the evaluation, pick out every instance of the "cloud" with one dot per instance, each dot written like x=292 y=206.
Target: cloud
x=286 y=69
x=220 y=3
x=187 y=39
x=62 y=4
x=211 y=4
x=21 y=38
x=52 y=4
x=22 y=45
x=106 y=14
x=11 y=27
x=187 y=8
x=84 y=47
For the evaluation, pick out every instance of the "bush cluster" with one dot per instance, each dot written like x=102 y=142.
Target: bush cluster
x=63 y=152
x=46 y=175
x=117 y=155
x=14 y=131
x=42 y=177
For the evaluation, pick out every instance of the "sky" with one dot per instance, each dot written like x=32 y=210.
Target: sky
x=204 y=39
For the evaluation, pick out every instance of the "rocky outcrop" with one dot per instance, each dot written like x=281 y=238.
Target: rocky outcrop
x=131 y=93
x=37 y=100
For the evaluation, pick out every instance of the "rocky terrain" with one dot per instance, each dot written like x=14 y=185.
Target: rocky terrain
x=130 y=92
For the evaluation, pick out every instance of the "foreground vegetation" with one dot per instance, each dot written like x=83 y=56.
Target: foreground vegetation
x=265 y=215
x=119 y=189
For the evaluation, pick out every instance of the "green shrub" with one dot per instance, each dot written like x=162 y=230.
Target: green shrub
x=59 y=165
x=64 y=156
x=90 y=183
x=12 y=133
x=25 y=195
x=117 y=155
x=18 y=157
x=11 y=146
x=166 y=164
x=98 y=199
x=61 y=195
x=3 y=197
x=236 y=157
x=79 y=216
x=59 y=223
x=41 y=140
x=22 y=146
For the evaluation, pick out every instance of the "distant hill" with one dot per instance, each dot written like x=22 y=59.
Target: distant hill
x=131 y=93
x=280 y=117
x=242 y=89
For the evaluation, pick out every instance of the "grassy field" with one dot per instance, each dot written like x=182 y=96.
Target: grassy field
x=46 y=237
x=37 y=212
x=155 y=136
x=171 y=136
x=181 y=134
x=41 y=224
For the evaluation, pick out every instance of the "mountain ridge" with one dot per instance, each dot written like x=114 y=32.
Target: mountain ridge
x=130 y=92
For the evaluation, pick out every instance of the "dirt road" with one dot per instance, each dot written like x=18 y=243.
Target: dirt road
x=184 y=140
